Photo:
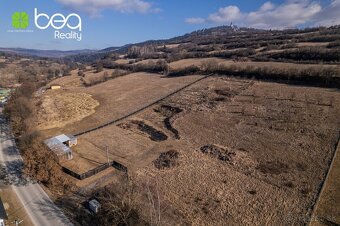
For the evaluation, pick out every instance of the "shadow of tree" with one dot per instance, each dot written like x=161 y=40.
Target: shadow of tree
x=4 y=129
x=4 y=179
x=15 y=175
x=71 y=207
x=11 y=151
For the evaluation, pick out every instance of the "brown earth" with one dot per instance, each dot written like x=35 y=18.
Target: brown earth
x=265 y=146
x=277 y=141
x=273 y=144
x=58 y=109
x=116 y=97
x=201 y=61
x=327 y=211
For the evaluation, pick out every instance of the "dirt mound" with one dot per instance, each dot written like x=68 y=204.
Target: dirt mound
x=167 y=159
x=223 y=92
x=63 y=109
x=169 y=112
x=218 y=152
x=219 y=99
x=144 y=129
x=273 y=167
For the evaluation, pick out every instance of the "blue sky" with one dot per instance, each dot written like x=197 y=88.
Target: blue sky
x=108 y=23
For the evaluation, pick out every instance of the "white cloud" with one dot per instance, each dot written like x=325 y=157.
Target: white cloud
x=93 y=7
x=194 y=20
x=267 y=6
x=229 y=13
x=291 y=13
x=330 y=15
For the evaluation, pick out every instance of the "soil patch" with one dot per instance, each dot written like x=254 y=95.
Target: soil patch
x=219 y=99
x=65 y=109
x=154 y=134
x=218 y=152
x=273 y=167
x=167 y=159
x=169 y=112
x=222 y=92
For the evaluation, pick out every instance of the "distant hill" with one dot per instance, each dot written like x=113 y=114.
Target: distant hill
x=231 y=36
x=44 y=53
x=190 y=37
x=89 y=55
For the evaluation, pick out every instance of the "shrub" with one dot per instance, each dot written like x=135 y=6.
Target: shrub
x=81 y=73
x=190 y=70
x=307 y=54
x=319 y=76
x=40 y=163
x=167 y=160
x=99 y=67
x=335 y=44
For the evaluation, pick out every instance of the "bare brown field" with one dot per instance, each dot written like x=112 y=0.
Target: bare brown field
x=118 y=97
x=122 y=61
x=58 y=109
x=270 y=145
x=144 y=62
x=201 y=61
x=304 y=44
x=171 y=46
x=327 y=211
x=249 y=152
x=61 y=113
x=278 y=138
x=68 y=82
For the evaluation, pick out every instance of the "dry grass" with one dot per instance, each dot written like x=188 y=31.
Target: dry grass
x=68 y=82
x=202 y=61
x=328 y=207
x=122 y=61
x=58 y=109
x=120 y=96
x=279 y=138
x=148 y=61
x=304 y=44
x=194 y=61
x=116 y=98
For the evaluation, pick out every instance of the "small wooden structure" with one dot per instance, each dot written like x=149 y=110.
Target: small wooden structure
x=54 y=87
x=94 y=205
x=60 y=145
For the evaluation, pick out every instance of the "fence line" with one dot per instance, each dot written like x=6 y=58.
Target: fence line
x=96 y=170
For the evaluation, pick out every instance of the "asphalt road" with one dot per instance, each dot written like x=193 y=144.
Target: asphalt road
x=39 y=207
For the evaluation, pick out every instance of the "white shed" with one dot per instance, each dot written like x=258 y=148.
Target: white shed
x=94 y=205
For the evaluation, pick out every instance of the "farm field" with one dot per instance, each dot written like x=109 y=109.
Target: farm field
x=197 y=121
x=201 y=61
x=263 y=142
x=327 y=210
x=116 y=98
x=239 y=140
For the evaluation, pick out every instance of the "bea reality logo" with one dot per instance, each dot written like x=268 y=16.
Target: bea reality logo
x=58 y=21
